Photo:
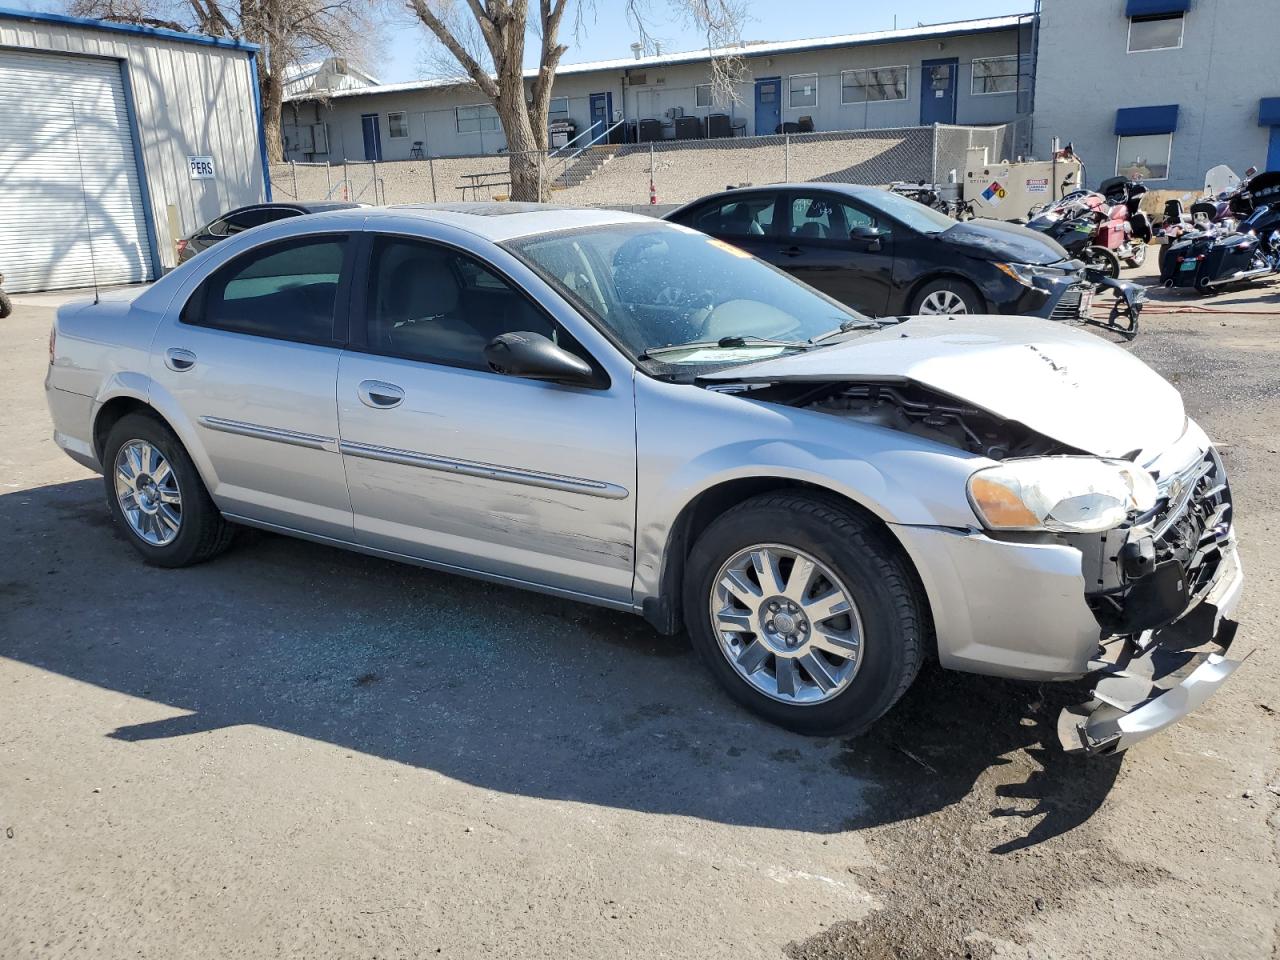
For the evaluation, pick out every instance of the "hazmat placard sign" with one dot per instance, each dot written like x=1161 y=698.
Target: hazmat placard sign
x=1038 y=185
x=994 y=193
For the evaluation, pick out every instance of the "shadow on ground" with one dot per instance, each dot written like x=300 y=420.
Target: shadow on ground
x=507 y=690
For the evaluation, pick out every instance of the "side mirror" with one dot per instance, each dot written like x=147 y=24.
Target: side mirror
x=867 y=235
x=534 y=357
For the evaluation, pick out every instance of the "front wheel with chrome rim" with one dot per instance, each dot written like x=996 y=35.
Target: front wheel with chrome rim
x=155 y=493
x=946 y=297
x=806 y=611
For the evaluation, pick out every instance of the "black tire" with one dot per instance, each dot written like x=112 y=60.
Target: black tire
x=202 y=531
x=1139 y=255
x=1104 y=260
x=1162 y=256
x=6 y=305
x=875 y=573
x=966 y=292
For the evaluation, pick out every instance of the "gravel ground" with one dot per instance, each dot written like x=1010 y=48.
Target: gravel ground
x=297 y=751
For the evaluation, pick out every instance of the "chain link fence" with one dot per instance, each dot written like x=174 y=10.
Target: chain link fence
x=659 y=173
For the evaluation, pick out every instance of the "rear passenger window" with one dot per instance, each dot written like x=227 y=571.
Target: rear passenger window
x=746 y=217
x=285 y=291
x=428 y=302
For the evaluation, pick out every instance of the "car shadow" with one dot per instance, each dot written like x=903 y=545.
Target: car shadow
x=507 y=690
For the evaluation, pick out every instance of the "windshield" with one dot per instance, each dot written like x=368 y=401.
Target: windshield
x=665 y=290
x=907 y=211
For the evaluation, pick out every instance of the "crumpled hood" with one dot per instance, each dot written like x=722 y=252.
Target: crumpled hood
x=996 y=240
x=1057 y=380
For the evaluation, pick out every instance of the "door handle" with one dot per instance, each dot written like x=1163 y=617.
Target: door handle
x=791 y=251
x=177 y=359
x=379 y=394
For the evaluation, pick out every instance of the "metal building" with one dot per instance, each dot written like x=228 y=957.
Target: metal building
x=1159 y=89
x=115 y=141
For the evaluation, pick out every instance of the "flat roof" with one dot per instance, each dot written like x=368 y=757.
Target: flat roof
x=159 y=33
x=744 y=50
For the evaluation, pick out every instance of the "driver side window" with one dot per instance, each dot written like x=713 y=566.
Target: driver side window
x=434 y=304
x=822 y=217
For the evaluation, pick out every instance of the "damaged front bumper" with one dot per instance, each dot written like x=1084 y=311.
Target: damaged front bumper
x=1152 y=682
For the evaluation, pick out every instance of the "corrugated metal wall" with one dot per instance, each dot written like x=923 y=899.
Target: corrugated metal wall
x=71 y=208
x=188 y=100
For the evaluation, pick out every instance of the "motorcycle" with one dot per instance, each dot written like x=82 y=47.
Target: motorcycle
x=1100 y=228
x=6 y=305
x=1212 y=258
x=1224 y=202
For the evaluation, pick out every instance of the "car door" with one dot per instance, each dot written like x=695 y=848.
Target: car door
x=744 y=219
x=838 y=246
x=251 y=361
x=451 y=463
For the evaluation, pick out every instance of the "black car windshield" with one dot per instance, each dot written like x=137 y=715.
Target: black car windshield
x=906 y=211
x=666 y=291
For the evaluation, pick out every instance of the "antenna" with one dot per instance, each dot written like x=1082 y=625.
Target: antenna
x=84 y=197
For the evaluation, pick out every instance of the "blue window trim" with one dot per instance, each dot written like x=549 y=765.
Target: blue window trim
x=1155 y=8
x=262 y=133
x=34 y=16
x=1269 y=112
x=144 y=189
x=1145 y=121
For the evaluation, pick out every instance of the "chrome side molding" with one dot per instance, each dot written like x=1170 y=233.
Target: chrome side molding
x=292 y=437
x=466 y=468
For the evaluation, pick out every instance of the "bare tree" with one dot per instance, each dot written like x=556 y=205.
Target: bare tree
x=496 y=64
x=288 y=31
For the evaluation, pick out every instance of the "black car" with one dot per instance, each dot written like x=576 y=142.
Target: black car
x=229 y=224
x=887 y=255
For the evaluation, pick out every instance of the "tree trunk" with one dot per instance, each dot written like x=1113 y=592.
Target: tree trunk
x=526 y=161
x=272 y=94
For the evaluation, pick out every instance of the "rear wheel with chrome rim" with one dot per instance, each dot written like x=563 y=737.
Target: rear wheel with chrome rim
x=806 y=611
x=157 y=496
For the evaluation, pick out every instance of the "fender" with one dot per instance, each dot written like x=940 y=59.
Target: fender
x=895 y=477
x=140 y=387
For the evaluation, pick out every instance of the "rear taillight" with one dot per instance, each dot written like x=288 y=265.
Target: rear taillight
x=53 y=341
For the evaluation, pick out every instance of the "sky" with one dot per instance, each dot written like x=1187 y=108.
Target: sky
x=408 y=56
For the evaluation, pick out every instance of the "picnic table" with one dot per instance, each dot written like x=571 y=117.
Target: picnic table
x=478 y=181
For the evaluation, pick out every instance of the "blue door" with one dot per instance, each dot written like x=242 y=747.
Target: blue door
x=372 y=136
x=601 y=115
x=768 y=105
x=938 y=91
x=1273 y=151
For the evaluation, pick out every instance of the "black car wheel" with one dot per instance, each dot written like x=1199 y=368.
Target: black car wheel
x=946 y=298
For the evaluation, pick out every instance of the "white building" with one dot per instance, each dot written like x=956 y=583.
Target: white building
x=115 y=141
x=968 y=72
x=325 y=76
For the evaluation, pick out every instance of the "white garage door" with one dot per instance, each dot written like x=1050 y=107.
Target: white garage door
x=69 y=197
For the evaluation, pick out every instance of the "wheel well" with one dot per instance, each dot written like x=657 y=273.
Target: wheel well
x=932 y=277
x=111 y=413
x=664 y=611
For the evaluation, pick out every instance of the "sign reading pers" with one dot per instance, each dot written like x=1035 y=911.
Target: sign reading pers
x=200 y=168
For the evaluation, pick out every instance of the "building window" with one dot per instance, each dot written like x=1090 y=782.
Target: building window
x=995 y=75
x=559 y=109
x=873 y=85
x=480 y=118
x=398 y=124
x=1144 y=157
x=1159 y=32
x=702 y=95
x=803 y=89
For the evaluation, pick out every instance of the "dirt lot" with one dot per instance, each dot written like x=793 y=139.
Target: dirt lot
x=294 y=751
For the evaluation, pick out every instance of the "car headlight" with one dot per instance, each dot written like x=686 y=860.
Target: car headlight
x=1026 y=273
x=1060 y=494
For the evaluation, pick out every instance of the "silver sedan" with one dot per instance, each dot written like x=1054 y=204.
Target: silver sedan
x=626 y=412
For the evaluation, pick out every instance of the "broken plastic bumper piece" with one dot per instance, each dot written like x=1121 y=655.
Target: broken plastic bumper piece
x=1153 y=682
